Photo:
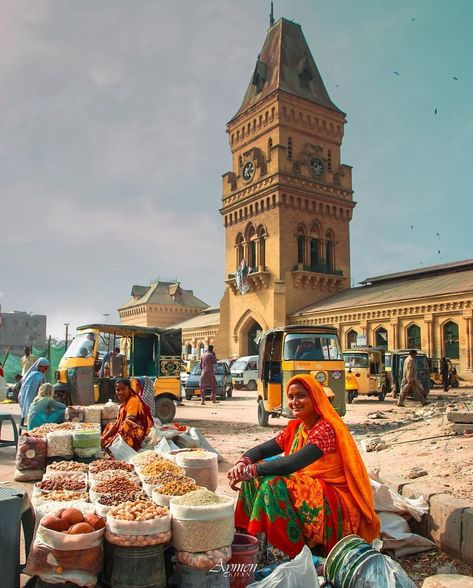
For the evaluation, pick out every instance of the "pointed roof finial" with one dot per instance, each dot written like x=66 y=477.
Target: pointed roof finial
x=271 y=16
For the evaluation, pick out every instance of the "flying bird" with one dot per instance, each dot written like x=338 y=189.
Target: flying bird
x=435 y=111
x=397 y=73
x=412 y=228
x=412 y=19
x=455 y=78
x=438 y=234
x=438 y=251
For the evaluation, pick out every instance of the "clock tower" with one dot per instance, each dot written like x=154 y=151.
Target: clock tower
x=287 y=202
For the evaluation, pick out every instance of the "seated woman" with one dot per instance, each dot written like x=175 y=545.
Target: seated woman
x=318 y=492
x=44 y=409
x=30 y=384
x=134 y=418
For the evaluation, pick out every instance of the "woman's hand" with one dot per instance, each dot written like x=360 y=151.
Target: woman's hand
x=236 y=472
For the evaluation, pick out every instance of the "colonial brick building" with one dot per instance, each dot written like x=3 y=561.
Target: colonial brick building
x=286 y=207
x=161 y=304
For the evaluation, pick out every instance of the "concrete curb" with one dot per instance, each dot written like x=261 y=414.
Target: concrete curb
x=449 y=522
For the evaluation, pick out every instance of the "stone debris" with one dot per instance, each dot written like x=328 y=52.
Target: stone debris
x=373 y=444
x=454 y=415
x=416 y=472
x=376 y=415
x=448 y=581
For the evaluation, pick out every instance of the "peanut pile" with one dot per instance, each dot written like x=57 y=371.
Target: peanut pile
x=177 y=487
x=68 y=466
x=114 y=474
x=100 y=465
x=115 y=486
x=146 y=457
x=43 y=430
x=62 y=496
x=58 y=483
x=158 y=467
x=138 y=510
x=162 y=478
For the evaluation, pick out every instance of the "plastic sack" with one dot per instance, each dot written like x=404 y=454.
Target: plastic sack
x=138 y=540
x=121 y=450
x=165 y=446
x=187 y=577
x=300 y=571
x=74 y=414
x=398 y=538
x=31 y=453
x=197 y=435
x=387 y=500
x=381 y=572
x=92 y=413
x=137 y=528
x=60 y=444
x=28 y=475
x=205 y=560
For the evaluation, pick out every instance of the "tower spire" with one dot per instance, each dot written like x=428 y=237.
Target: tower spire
x=271 y=15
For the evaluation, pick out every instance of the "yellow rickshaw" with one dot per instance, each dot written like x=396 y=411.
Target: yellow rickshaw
x=436 y=374
x=287 y=351
x=364 y=373
x=84 y=378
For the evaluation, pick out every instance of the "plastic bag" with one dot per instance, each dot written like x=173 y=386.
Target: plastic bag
x=205 y=560
x=298 y=572
x=74 y=414
x=381 y=572
x=197 y=435
x=387 y=500
x=28 y=475
x=398 y=538
x=31 y=454
x=165 y=446
x=138 y=540
x=121 y=450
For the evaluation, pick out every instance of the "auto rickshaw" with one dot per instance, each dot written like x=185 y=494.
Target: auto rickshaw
x=398 y=357
x=436 y=374
x=146 y=351
x=287 y=351
x=364 y=373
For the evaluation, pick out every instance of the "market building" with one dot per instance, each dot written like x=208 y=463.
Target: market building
x=286 y=207
x=20 y=329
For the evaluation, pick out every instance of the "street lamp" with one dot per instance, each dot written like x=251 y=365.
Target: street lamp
x=67 y=332
x=105 y=316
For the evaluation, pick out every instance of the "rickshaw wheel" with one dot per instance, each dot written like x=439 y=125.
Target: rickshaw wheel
x=263 y=415
x=251 y=386
x=454 y=384
x=165 y=410
x=350 y=397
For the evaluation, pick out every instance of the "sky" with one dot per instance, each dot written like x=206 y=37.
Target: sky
x=113 y=139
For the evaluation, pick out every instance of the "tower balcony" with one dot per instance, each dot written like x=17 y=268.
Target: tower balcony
x=318 y=276
x=257 y=279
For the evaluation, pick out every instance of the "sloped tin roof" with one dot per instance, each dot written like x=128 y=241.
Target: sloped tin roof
x=163 y=293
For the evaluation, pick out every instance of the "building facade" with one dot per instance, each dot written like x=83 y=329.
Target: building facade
x=19 y=329
x=161 y=304
x=286 y=207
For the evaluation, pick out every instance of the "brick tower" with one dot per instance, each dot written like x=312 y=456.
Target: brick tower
x=288 y=201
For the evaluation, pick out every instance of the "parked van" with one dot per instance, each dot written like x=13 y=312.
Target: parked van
x=245 y=372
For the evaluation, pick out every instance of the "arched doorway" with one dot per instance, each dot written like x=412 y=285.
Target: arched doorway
x=252 y=345
x=413 y=337
x=351 y=338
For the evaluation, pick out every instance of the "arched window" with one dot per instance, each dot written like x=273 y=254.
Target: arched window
x=413 y=337
x=289 y=149
x=239 y=248
x=301 y=244
x=188 y=350
x=270 y=145
x=351 y=338
x=314 y=248
x=451 y=344
x=251 y=239
x=381 y=337
x=329 y=251
x=201 y=349
x=329 y=160
x=261 y=235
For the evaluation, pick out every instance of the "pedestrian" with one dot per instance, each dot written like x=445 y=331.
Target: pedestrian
x=117 y=364
x=444 y=373
x=207 y=378
x=30 y=384
x=26 y=361
x=410 y=382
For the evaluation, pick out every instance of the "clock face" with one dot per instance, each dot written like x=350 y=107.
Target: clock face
x=316 y=167
x=248 y=170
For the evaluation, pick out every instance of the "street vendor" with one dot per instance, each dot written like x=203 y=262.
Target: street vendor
x=318 y=492
x=134 y=418
x=44 y=409
x=30 y=384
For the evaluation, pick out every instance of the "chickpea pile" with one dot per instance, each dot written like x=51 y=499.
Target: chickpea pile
x=62 y=496
x=139 y=510
x=68 y=466
x=100 y=465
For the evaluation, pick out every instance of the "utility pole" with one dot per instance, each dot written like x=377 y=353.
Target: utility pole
x=67 y=333
x=105 y=316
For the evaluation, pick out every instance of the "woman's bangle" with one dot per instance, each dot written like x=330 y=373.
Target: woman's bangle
x=249 y=472
x=245 y=460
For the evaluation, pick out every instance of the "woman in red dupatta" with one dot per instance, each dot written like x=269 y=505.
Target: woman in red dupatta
x=318 y=492
x=134 y=418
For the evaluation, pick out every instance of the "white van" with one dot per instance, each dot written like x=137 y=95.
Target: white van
x=245 y=372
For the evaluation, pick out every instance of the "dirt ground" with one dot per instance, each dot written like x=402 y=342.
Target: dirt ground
x=415 y=437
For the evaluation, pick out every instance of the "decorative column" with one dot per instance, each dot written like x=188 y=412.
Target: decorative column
x=467 y=315
x=394 y=322
x=428 y=319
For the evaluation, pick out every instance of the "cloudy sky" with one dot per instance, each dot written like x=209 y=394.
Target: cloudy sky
x=113 y=143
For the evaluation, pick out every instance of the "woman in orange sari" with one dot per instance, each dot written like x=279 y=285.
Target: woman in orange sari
x=134 y=418
x=318 y=492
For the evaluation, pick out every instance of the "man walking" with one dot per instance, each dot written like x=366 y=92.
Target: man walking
x=207 y=378
x=410 y=383
x=444 y=373
x=26 y=361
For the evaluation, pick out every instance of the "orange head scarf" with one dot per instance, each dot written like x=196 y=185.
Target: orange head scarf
x=350 y=459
